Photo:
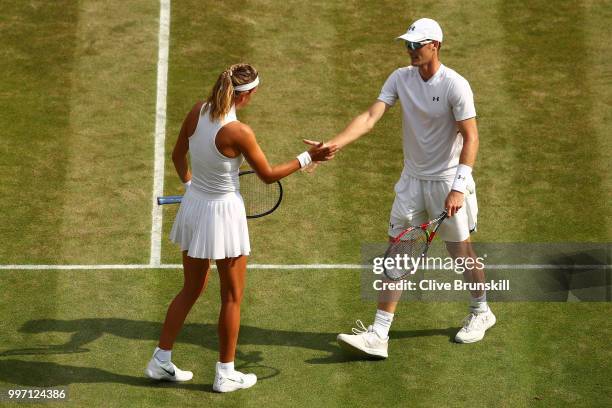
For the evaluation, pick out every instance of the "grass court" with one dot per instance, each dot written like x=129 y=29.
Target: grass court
x=77 y=118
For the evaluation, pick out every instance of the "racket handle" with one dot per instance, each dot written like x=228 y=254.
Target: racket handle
x=169 y=200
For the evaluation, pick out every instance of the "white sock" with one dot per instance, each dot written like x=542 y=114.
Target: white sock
x=162 y=355
x=479 y=304
x=225 y=368
x=382 y=323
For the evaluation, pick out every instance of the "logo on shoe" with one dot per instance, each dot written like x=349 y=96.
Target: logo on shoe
x=172 y=373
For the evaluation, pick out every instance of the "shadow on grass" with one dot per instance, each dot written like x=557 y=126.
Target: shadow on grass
x=85 y=331
x=46 y=374
x=49 y=374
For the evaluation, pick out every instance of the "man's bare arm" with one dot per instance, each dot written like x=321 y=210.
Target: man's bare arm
x=360 y=125
x=469 y=131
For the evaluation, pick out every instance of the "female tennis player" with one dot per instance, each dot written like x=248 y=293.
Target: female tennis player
x=211 y=222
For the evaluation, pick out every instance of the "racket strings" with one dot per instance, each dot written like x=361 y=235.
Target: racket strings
x=259 y=197
x=411 y=245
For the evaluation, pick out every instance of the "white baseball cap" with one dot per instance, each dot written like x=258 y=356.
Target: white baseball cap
x=423 y=29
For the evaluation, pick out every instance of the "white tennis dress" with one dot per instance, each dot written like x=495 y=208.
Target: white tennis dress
x=211 y=221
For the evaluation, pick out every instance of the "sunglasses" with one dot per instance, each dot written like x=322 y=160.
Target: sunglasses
x=416 y=45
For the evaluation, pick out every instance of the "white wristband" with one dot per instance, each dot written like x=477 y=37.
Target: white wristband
x=304 y=159
x=461 y=178
x=187 y=184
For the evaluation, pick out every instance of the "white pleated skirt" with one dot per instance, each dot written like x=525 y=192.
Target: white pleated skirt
x=211 y=226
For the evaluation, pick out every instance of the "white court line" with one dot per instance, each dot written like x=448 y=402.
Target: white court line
x=546 y=266
x=173 y=266
x=160 y=131
x=280 y=266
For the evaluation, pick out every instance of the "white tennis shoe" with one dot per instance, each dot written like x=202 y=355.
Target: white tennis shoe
x=474 y=326
x=167 y=371
x=364 y=342
x=233 y=382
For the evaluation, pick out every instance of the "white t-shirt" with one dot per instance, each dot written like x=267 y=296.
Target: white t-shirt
x=430 y=111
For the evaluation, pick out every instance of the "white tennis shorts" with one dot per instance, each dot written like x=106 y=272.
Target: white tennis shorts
x=418 y=201
x=211 y=226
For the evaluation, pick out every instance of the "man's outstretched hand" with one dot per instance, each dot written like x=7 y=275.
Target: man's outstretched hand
x=319 y=152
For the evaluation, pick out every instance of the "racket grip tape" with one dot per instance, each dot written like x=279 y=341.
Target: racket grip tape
x=169 y=200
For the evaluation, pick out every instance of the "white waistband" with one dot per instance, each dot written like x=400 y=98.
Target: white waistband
x=203 y=195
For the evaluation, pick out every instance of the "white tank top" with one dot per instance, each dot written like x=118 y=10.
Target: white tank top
x=211 y=171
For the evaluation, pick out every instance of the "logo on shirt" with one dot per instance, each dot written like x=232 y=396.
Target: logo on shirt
x=436 y=99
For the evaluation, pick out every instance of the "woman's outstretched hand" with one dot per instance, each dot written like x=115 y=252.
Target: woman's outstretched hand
x=321 y=151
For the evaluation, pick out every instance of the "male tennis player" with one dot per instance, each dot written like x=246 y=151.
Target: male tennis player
x=440 y=142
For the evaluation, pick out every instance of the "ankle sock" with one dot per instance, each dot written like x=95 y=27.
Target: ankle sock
x=382 y=323
x=162 y=355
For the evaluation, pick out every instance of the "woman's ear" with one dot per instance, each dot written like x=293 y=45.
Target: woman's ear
x=238 y=99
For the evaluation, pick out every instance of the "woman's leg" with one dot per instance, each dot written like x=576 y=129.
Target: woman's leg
x=195 y=272
x=232 y=275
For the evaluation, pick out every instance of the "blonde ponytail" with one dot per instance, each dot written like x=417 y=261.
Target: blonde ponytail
x=221 y=98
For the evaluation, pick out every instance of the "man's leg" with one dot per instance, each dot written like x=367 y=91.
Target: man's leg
x=465 y=250
x=480 y=317
x=408 y=209
x=373 y=341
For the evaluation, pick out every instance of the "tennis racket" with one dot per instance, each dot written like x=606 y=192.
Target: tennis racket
x=259 y=198
x=413 y=242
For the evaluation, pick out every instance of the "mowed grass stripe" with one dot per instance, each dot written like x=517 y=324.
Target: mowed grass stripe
x=576 y=373
x=106 y=212
x=296 y=101
x=473 y=47
x=560 y=169
x=366 y=172
x=599 y=77
x=301 y=98
x=34 y=118
x=368 y=169
x=473 y=35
